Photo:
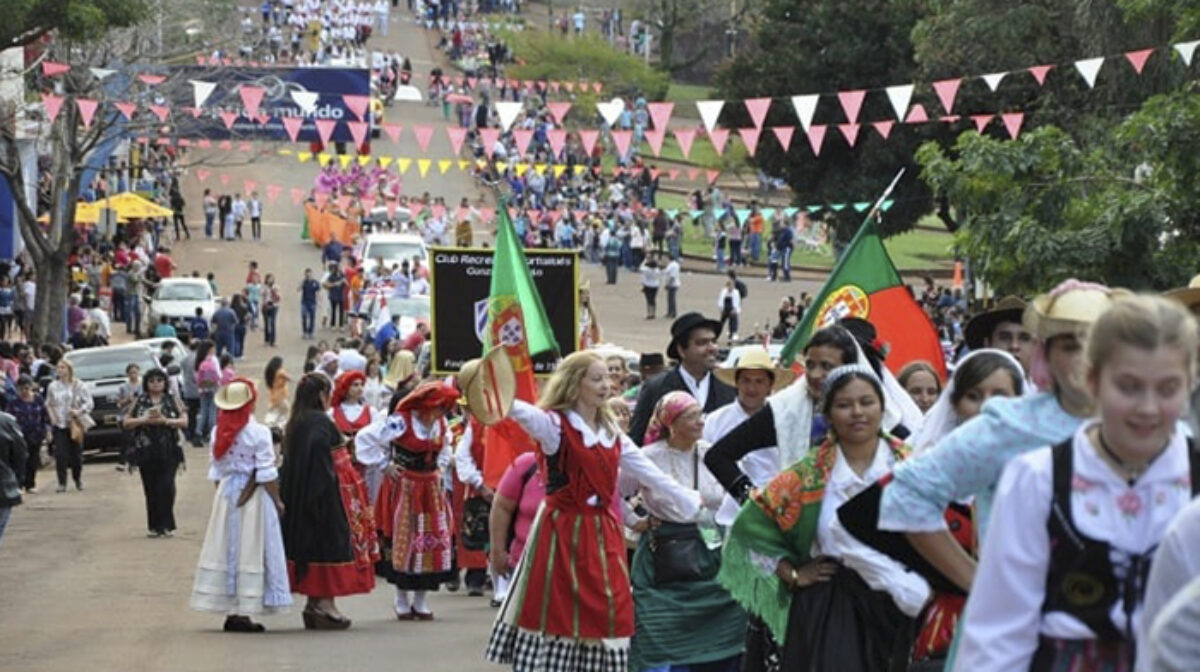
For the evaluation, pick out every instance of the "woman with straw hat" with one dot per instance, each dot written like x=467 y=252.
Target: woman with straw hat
x=412 y=511
x=242 y=568
x=968 y=461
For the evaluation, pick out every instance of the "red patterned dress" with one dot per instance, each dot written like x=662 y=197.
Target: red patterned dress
x=467 y=558
x=412 y=511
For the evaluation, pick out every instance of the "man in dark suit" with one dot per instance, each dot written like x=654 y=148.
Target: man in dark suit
x=694 y=347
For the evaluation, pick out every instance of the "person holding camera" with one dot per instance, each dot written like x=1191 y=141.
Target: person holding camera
x=154 y=422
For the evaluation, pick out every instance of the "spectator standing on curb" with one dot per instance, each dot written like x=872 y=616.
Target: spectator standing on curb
x=309 y=287
x=270 y=309
x=224 y=321
x=671 y=284
x=13 y=454
x=256 y=209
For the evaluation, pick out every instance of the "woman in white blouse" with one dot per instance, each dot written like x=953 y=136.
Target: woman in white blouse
x=570 y=599
x=1074 y=526
x=827 y=601
x=68 y=403
x=683 y=617
x=729 y=302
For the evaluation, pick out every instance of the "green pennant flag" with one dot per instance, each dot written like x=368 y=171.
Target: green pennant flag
x=513 y=293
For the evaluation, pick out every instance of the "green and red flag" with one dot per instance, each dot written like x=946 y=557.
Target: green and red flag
x=865 y=284
x=517 y=322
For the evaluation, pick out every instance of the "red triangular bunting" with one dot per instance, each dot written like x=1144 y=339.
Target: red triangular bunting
x=673 y=174
x=424 y=134
x=851 y=103
x=757 y=107
x=588 y=138
x=569 y=86
x=660 y=114
x=225 y=145
x=750 y=139
x=558 y=140
x=273 y=192
x=655 y=139
x=251 y=98
x=685 y=137
x=229 y=118
x=297 y=195
x=325 y=129
x=816 y=138
x=522 y=138
x=393 y=131
x=1039 y=73
x=292 y=126
x=202 y=174
x=52 y=69
x=489 y=137
x=622 y=139
x=87 y=110
x=947 y=91
x=225 y=177
x=195 y=112
x=917 y=115
x=1013 y=122
x=357 y=105
x=54 y=105
x=719 y=136
x=850 y=132
x=248 y=186
x=457 y=135
x=982 y=120
x=713 y=175
x=152 y=80
x=784 y=135
x=161 y=111
x=692 y=173
x=358 y=131
x=884 y=128
x=558 y=110
x=950 y=118
x=245 y=147
x=1138 y=59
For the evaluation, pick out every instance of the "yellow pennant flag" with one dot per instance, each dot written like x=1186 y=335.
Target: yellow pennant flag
x=344 y=159
x=304 y=157
x=324 y=159
x=423 y=166
x=285 y=152
x=463 y=164
x=364 y=160
x=540 y=169
x=480 y=164
x=445 y=165
x=579 y=170
x=559 y=170
x=522 y=168
x=403 y=164
x=502 y=166
x=385 y=161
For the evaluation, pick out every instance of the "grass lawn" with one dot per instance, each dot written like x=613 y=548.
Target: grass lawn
x=703 y=154
x=685 y=96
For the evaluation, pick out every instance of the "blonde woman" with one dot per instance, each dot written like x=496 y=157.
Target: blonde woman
x=571 y=599
x=69 y=405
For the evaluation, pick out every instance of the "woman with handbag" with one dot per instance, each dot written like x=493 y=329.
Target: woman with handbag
x=155 y=420
x=683 y=617
x=828 y=601
x=69 y=405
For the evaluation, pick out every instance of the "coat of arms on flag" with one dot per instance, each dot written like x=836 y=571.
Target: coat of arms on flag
x=481 y=320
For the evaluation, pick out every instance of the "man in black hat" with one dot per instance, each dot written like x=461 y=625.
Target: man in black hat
x=694 y=347
x=1001 y=328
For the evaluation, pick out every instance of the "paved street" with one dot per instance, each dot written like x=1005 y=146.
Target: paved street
x=85 y=590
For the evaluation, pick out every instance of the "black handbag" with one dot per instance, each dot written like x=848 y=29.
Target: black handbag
x=475 y=523
x=679 y=552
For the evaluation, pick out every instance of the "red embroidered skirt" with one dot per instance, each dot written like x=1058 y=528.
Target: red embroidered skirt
x=467 y=559
x=414 y=519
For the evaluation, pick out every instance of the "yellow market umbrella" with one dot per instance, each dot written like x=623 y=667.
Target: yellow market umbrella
x=85 y=213
x=131 y=206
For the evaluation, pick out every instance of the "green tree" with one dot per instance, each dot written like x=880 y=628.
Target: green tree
x=27 y=21
x=825 y=47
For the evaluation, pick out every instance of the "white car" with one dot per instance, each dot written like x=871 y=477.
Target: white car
x=178 y=299
x=774 y=350
x=393 y=248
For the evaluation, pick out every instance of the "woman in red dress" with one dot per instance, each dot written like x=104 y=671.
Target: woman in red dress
x=328 y=527
x=570 y=608
x=348 y=408
x=412 y=511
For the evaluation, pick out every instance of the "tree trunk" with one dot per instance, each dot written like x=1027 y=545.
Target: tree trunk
x=53 y=282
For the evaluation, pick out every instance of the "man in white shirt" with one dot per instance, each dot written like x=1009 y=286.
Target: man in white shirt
x=381 y=16
x=671 y=282
x=755 y=377
x=255 y=209
x=239 y=214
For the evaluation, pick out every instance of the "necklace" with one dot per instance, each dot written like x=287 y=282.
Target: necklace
x=1134 y=472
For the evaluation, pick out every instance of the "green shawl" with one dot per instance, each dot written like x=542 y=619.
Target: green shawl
x=780 y=521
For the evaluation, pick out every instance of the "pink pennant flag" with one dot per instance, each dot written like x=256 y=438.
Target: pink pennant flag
x=597 y=87
x=884 y=128
x=950 y=118
x=292 y=126
x=850 y=132
x=750 y=139
x=297 y=195
x=54 y=105
x=393 y=131
x=185 y=142
x=558 y=110
x=124 y=107
x=358 y=131
x=325 y=129
x=558 y=140
x=917 y=115
x=569 y=86
x=655 y=139
x=53 y=69
x=368 y=203
x=321 y=199
x=488 y=214
x=489 y=136
x=262 y=118
x=391 y=204
x=200 y=59
x=1039 y=73
x=816 y=138
x=712 y=176
x=588 y=138
x=357 y=105
x=439 y=210
x=202 y=174
x=982 y=120
x=162 y=141
x=87 y=110
x=1013 y=122
x=1138 y=59
x=784 y=135
x=673 y=174
x=553 y=87
x=229 y=118
x=947 y=91
x=522 y=138
x=251 y=98
x=718 y=137
x=343 y=203
x=456 y=135
x=685 y=137
x=226 y=145
x=424 y=134
x=225 y=177
x=204 y=143
x=161 y=111
x=245 y=147
x=852 y=103
x=584 y=85
x=622 y=140
x=660 y=114
x=692 y=173
x=195 y=111
x=249 y=186
x=757 y=107
x=152 y=80
x=273 y=192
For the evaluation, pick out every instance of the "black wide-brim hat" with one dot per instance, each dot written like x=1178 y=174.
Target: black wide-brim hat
x=682 y=327
x=979 y=329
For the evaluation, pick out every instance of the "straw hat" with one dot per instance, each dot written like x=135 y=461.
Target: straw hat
x=1188 y=296
x=755 y=359
x=980 y=328
x=234 y=395
x=1069 y=311
x=489 y=385
x=402 y=367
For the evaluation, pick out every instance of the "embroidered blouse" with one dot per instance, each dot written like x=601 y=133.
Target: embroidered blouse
x=687 y=469
x=252 y=450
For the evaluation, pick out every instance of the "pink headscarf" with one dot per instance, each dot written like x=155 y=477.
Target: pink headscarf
x=666 y=411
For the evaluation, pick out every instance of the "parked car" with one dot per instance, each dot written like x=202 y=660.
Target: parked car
x=393 y=248
x=102 y=371
x=411 y=310
x=731 y=355
x=178 y=299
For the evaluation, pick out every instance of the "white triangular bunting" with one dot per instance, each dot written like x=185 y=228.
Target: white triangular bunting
x=1089 y=68
x=1187 y=50
x=508 y=111
x=900 y=96
x=201 y=90
x=709 y=110
x=806 y=107
x=307 y=100
x=102 y=73
x=993 y=80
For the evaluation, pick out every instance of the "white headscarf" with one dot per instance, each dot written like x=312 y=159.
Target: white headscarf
x=898 y=407
x=942 y=418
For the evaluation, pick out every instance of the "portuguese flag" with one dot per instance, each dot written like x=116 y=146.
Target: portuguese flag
x=517 y=322
x=864 y=284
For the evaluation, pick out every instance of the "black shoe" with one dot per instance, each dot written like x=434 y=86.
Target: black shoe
x=242 y=624
x=453 y=585
x=474 y=592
